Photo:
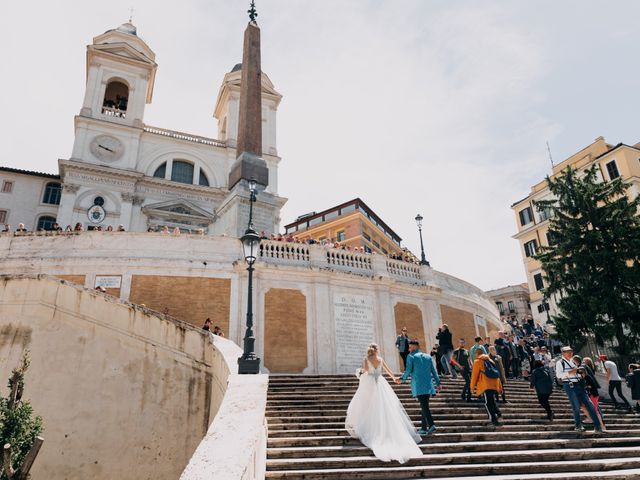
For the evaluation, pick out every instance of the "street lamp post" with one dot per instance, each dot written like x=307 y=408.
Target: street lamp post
x=423 y=260
x=545 y=303
x=249 y=362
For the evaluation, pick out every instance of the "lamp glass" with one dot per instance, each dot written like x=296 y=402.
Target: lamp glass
x=419 y=220
x=250 y=241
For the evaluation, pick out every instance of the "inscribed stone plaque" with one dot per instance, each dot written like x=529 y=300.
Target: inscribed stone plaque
x=354 y=330
x=109 y=281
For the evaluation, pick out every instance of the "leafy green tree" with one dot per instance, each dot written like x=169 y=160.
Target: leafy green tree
x=18 y=427
x=592 y=266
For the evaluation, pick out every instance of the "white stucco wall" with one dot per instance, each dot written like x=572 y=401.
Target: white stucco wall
x=120 y=389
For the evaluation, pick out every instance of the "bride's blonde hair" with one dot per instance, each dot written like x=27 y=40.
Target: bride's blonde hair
x=373 y=348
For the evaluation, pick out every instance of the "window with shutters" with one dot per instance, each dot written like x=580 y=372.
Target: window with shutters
x=161 y=171
x=531 y=248
x=500 y=307
x=511 y=306
x=204 y=181
x=52 y=193
x=46 y=223
x=7 y=186
x=182 y=172
x=526 y=216
x=3 y=216
x=612 y=170
x=537 y=280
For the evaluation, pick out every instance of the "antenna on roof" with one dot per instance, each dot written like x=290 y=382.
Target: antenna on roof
x=550 y=156
x=131 y=15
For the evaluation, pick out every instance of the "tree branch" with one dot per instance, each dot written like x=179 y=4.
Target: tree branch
x=6 y=457
x=30 y=457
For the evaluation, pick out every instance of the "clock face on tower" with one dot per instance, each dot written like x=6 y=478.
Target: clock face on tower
x=107 y=148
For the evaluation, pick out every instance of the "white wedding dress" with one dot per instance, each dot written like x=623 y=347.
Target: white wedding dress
x=377 y=418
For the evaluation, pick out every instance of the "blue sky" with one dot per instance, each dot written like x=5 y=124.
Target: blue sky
x=437 y=107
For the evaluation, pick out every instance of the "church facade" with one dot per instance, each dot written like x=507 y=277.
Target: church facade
x=124 y=172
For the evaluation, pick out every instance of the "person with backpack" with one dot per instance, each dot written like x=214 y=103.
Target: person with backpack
x=540 y=379
x=574 y=386
x=485 y=383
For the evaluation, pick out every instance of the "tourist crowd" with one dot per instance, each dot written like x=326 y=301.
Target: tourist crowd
x=527 y=353
x=405 y=255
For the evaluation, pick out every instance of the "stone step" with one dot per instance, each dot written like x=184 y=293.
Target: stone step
x=442 y=471
x=489 y=435
x=459 y=447
x=443 y=428
x=610 y=475
x=463 y=458
x=449 y=419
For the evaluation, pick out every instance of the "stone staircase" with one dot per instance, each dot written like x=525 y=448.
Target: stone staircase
x=307 y=439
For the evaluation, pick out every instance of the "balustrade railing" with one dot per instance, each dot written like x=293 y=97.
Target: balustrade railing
x=403 y=269
x=114 y=112
x=293 y=252
x=346 y=260
x=185 y=136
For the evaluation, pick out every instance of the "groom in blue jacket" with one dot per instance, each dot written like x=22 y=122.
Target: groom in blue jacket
x=425 y=382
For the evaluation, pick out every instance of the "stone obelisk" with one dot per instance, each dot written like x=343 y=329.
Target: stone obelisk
x=249 y=163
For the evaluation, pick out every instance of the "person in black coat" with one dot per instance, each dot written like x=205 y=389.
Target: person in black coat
x=445 y=349
x=633 y=382
x=540 y=379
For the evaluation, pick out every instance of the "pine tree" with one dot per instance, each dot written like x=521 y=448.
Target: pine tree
x=19 y=429
x=593 y=263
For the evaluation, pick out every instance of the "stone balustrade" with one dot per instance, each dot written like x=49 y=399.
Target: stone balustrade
x=114 y=112
x=185 y=136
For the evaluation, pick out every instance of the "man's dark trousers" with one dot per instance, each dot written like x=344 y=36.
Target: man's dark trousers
x=427 y=419
x=404 y=355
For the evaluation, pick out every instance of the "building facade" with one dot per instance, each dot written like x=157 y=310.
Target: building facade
x=352 y=224
x=614 y=161
x=124 y=172
x=30 y=198
x=513 y=302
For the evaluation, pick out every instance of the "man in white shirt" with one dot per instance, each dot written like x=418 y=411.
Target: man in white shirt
x=615 y=382
x=567 y=374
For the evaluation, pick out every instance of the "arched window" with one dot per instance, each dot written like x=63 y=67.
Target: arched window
x=204 y=181
x=161 y=171
x=182 y=172
x=46 y=223
x=116 y=98
x=52 y=193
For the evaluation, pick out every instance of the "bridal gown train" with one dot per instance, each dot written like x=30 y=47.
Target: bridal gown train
x=377 y=418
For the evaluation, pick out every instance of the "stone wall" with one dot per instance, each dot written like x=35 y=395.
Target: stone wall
x=410 y=316
x=191 y=299
x=285 y=331
x=120 y=389
x=461 y=324
x=195 y=277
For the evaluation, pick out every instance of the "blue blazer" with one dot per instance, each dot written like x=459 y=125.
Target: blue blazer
x=424 y=376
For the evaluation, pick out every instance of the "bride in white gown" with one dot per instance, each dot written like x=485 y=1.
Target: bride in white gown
x=377 y=418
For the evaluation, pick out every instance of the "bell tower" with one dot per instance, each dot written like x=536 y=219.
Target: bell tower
x=121 y=72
